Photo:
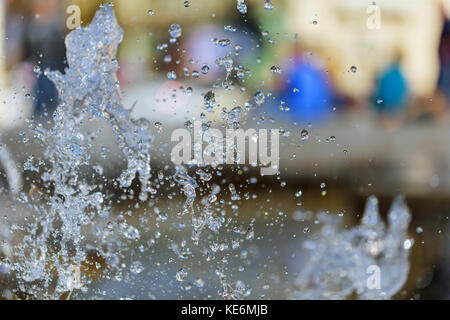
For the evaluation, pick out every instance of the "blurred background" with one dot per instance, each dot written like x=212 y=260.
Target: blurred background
x=369 y=81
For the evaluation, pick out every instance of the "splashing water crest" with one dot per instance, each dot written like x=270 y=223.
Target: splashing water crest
x=340 y=258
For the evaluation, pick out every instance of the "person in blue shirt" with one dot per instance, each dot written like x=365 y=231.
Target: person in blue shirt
x=390 y=97
x=307 y=92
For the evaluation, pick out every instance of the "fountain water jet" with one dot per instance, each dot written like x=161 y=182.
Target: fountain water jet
x=55 y=245
x=50 y=260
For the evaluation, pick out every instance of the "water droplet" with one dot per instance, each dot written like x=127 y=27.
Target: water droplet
x=37 y=69
x=259 y=98
x=304 y=135
x=242 y=6
x=158 y=127
x=167 y=58
x=181 y=275
x=275 y=69
x=408 y=243
x=175 y=30
x=250 y=234
x=161 y=46
x=171 y=75
x=205 y=69
x=268 y=5
x=229 y=28
x=209 y=100
x=240 y=73
x=224 y=42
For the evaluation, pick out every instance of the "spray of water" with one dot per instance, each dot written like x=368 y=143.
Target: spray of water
x=50 y=260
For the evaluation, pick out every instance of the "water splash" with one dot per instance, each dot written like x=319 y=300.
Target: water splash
x=90 y=87
x=340 y=259
x=51 y=259
x=55 y=247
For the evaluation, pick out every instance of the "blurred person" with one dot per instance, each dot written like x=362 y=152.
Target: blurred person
x=45 y=47
x=444 y=55
x=201 y=50
x=15 y=107
x=306 y=90
x=435 y=105
x=443 y=86
x=15 y=34
x=391 y=93
x=202 y=53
